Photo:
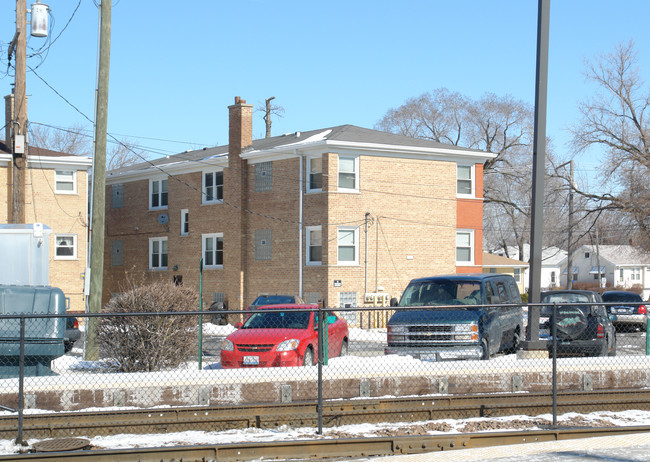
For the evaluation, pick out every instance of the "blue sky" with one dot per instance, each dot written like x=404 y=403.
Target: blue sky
x=176 y=66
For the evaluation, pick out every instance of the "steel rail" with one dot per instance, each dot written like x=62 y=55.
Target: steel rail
x=335 y=413
x=325 y=448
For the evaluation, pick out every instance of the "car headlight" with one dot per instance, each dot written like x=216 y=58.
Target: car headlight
x=227 y=345
x=465 y=332
x=288 y=345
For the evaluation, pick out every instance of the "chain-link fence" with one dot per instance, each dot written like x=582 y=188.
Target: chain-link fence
x=286 y=355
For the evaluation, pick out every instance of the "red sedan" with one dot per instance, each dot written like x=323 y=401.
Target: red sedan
x=282 y=335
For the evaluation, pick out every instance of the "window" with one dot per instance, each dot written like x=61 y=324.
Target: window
x=314 y=245
x=348 y=246
x=465 y=180
x=586 y=254
x=212 y=187
x=117 y=196
x=465 y=247
x=185 y=222
x=517 y=274
x=620 y=274
x=117 y=253
x=65 y=182
x=263 y=177
x=158 y=194
x=158 y=253
x=552 y=277
x=315 y=169
x=348 y=173
x=263 y=244
x=636 y=274
x=213 y=250
x=66 y=247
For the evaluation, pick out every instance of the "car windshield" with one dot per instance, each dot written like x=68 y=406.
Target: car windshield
x=563 y=298
x=622 y=297
x=441 y=292
x=273 y=300
x=272 y=319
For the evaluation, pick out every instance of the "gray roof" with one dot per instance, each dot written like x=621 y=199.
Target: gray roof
x=341 y=133
x=619 y=255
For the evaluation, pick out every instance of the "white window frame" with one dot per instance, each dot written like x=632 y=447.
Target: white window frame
x=213 y=237
x=162 y=241
x=472 y=180
x=470 y=232
x=185 y=220
x=355 y=230
x=308 y=231
x=74 y=247
x=309 y=185
x=635 y=274
x=66 y=180
x=517 y=274
x=160 y=193
x=356 y=174
x=204 y=187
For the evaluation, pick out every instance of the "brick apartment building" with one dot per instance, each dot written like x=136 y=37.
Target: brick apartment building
x=337 y=214
x=56 y=194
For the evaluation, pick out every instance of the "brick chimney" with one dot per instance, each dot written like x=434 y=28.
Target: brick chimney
x=240 y=135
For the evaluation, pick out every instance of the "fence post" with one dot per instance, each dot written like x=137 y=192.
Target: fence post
x=554 y=337
x=319 y=406
x=21 y=381
x=201 y=315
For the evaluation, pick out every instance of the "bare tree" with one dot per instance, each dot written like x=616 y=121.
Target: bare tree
x=72 y=140
x=124 y=154
x=75 y=141
x=269 y=110
x=500 y=125
x=615 y=120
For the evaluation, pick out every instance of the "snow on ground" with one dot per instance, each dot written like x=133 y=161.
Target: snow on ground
x=437 y=427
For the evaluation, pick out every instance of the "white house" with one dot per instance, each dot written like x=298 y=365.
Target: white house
x=620 y=266
x=553 y=261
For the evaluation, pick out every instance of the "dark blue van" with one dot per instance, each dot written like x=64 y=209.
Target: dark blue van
x=458 y=316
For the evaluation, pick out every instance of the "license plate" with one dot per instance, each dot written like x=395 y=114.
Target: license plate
x=251 y=360
x=544 y=333
x=429 y=357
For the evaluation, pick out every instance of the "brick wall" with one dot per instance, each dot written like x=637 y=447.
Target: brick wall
x=64 y=214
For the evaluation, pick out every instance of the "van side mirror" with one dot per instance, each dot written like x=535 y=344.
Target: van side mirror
x=393 y=302
x=238 y=325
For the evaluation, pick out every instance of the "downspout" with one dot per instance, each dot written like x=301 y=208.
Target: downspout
x=300 y=225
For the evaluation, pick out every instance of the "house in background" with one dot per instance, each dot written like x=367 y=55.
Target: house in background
x=56 y=194
x=493 y=263
x=345 y=215
x=624 y=266
x=553 y=263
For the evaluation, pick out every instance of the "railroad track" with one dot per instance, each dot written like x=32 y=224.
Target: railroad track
x=337 y=413
x=305 y=414
x=309 y=450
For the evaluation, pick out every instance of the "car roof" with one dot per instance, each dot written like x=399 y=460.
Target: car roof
x=569 y=291
x=466 y=277
x=612 y=292
x=289 y=306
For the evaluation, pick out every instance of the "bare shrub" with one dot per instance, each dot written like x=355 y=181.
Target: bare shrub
x=150 y=342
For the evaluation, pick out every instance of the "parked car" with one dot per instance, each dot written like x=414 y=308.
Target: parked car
x=282 y=335
x=471 y=316
x=583 y=327
x=275 y=299
x=630 y=313
x=72 y=333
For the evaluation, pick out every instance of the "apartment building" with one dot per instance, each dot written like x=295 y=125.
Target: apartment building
x=346 y=215
x=56 y=194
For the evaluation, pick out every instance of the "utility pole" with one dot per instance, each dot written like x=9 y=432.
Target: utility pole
x=19 y=118
x=99 y=182
x=569 y=273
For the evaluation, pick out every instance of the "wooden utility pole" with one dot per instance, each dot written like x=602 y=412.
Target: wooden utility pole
x=19 y=119
x=99 y=183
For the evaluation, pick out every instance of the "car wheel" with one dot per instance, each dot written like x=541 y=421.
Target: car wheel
x=485 y=349
x=514 y=346
x=308 y=359
x=344 y=348
x=67 y=346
